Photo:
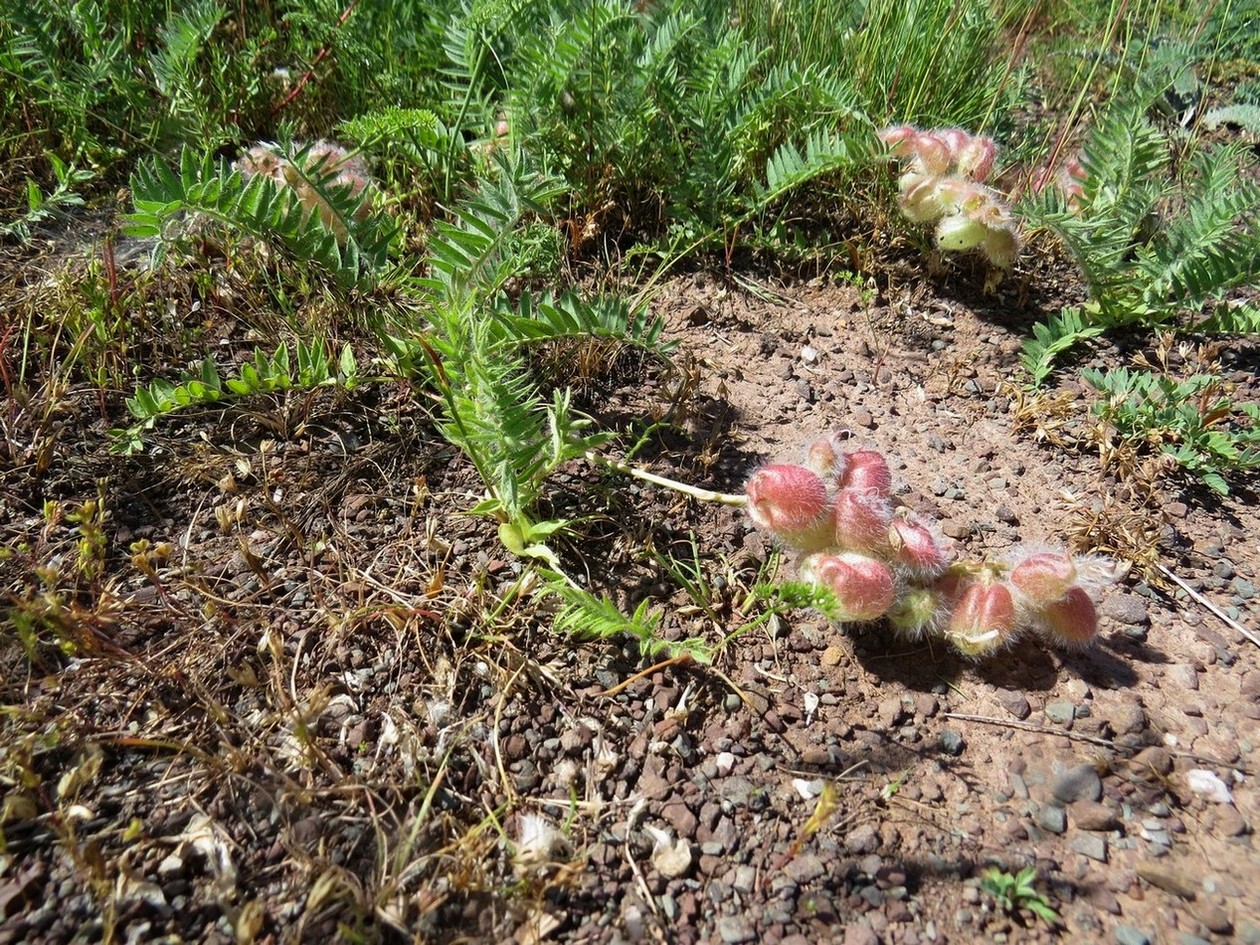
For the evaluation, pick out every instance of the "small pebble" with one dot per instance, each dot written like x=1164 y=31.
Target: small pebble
x=1052 y=818
x=1126 y=609
x=1168 y=879
x=1061 y=713
x=1014 y=702
x=1089 y=815
x=1128 y=935
x=1092 y=846
x=1216 y=919
x=1078 y=783
x=734 y=930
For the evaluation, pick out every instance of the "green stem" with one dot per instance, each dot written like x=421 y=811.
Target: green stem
x=704 y=495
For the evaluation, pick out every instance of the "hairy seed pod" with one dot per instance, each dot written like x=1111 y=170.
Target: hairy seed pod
x=983 y=619
x=866 y=469
x=916 y=613
x=1070 y=622
x=916 y=547
x=863 y=585
x=862 y=518
x=790 y=502
x=1001 y=247
x=959 y=232
x=1044 y=576
x=975 y=158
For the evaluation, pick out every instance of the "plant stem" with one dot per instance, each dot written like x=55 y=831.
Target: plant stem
x=704 y=495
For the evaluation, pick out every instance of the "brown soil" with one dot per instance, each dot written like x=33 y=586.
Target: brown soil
x=330 y=712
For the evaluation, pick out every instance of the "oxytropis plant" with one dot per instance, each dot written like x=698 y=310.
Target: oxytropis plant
x=310 y=173
x=886 y=562
x=943 y=183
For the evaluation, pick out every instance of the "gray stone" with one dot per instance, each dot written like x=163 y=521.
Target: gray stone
x=1078 y=783
x=873 y=895
x=1128 y=935
x=952 y=743
x=1126 y=609
x=737 y=789
x=804 y=867
x=1185 y=938
x=1060 y=712
x=1052 y=818
x=862 y=839
x=735 y=929
x=1249 y=933
x=1091 y=846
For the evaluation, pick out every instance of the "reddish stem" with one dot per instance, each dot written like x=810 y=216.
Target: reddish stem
x=319 y=57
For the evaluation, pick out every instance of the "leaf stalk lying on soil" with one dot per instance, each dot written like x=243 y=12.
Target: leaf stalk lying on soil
x=704 y=495
x=1200 y=599
x=1078 y=737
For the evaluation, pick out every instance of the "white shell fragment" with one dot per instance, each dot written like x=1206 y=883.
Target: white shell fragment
x=1209 y=785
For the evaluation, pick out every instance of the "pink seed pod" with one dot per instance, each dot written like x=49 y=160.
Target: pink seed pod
x=955 y=139
x=983 y=619
x=824 y=457
x=866 y=469
x=932 y=155
x=1044 y=577
x=863 y=585
x=899 y=139
x=916 y=613
x=260 y=159
x=1071 y=622
x=975 y=158
x=862 y=518
x=959 y=232
x=790 y=502
x=916 y=547
x=783 y=496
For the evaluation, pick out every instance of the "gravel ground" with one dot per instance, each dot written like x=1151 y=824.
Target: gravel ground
x=304 y=724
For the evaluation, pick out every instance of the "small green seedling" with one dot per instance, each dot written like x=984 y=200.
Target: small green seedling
x=1018 y=892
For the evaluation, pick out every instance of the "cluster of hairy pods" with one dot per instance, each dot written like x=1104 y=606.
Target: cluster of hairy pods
x=942 y=182
x=884 y=562
x=331 y=165
x=1068 y=179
